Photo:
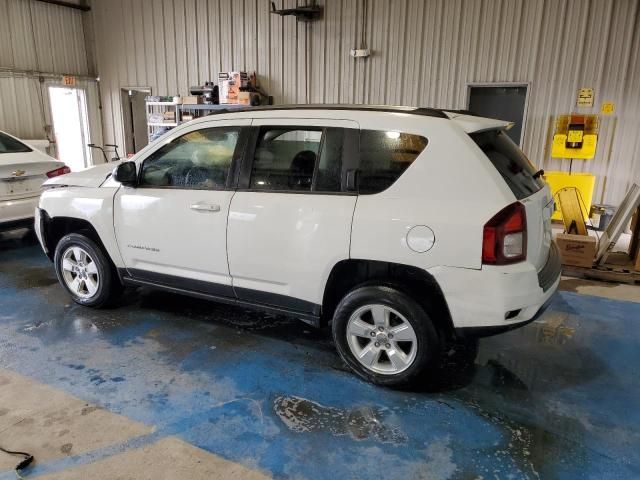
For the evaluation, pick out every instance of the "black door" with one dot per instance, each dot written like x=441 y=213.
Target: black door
x=501 y=102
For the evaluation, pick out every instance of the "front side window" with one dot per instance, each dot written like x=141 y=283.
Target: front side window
x=197 y=160
x=384 y=156
x=11 y=145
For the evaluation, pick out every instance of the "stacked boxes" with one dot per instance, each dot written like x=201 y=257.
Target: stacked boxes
x=229 y=85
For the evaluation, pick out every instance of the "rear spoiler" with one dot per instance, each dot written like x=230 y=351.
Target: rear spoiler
x=472 y=124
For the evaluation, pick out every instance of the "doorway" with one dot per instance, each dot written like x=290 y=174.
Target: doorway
x=504 y=101
x=134 y=116
x=70 y=126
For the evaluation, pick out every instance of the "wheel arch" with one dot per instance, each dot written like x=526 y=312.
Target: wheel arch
x=417 y=282
x=53 y=229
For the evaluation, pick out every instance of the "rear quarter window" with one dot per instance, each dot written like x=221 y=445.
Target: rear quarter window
x=384 y=157
x=511 y=162
x=11 y=145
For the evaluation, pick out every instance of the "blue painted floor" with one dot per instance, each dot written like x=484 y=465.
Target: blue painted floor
x=559 y=398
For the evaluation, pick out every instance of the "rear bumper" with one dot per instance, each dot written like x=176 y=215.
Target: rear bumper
x=17 y=213
x=475 y=332
x=497 y=299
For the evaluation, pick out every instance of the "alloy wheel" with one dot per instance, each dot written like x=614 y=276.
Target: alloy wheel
x=381 y=339
x=80 y=272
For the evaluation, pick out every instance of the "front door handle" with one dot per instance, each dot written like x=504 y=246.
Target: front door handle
x=205 y=207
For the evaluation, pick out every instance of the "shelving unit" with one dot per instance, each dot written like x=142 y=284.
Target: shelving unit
x=200 y=109
x=154 y=108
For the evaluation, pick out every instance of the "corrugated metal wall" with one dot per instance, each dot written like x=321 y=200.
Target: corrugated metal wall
x=39 y=40
x=425 y=52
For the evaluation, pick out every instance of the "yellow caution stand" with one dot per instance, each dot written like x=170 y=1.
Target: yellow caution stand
x=575 y=137
x=583 y=182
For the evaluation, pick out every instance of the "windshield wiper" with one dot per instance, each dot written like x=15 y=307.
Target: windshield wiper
x=538 y=174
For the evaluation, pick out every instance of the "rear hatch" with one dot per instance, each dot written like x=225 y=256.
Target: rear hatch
x=527 y=186
x=22 y=169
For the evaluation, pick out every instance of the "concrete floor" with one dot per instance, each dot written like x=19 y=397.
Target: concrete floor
x=171 y=387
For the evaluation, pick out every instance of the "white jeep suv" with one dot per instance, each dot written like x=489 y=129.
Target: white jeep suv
x=404 y=228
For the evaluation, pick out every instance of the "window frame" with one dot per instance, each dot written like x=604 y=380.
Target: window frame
x=350 y=149
x=232 y=174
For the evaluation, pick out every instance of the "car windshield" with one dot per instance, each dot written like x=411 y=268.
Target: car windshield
x=11 y=145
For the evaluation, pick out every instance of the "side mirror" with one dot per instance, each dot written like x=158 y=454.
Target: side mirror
x=126 y=174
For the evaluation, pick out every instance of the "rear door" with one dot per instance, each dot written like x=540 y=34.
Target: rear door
x=290 y=220
x=527 y=186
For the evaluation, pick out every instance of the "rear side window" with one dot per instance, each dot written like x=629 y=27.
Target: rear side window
x=384 y=156
x=512 y=164
x=298 y=159
x=11 y=145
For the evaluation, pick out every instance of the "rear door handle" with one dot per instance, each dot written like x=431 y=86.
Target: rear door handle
x=205 y=207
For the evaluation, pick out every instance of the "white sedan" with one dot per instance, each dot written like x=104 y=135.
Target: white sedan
x=22 y=171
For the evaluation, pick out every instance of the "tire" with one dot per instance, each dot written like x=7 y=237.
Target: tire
x=354 y=339
x=85 y=271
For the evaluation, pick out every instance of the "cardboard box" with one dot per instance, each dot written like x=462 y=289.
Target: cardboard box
x=244 y=98
x=192 y=100
x=229 y=84
x=576 y=250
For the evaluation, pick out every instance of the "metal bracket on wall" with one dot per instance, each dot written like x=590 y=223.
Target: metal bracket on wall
x=305 y=13
x=82 y=6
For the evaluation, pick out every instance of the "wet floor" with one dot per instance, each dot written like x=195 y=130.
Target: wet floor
x=556 y=399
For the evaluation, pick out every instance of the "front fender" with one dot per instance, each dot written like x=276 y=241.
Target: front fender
x=92 y=205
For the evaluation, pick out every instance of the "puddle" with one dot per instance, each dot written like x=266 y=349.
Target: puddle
x=30 y=277
x=304 y=416
x=554 y=329
x=29 y=327
x=574 y=284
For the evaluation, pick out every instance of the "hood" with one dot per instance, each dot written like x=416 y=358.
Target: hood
x=91 y=177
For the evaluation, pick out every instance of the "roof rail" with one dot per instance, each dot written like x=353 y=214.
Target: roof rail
x=429 y=112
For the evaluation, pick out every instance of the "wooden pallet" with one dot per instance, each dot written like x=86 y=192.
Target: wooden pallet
x=619 y=269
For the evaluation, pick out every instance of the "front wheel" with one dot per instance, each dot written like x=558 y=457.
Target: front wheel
x=385 y=336
x=85 y=271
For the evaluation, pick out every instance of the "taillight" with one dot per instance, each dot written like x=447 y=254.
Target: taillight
x=58 y=171
x=504 y=238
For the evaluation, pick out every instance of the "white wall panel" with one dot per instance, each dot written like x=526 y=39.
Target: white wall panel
x=43 y=37
x=41 y=41
x=424 y=52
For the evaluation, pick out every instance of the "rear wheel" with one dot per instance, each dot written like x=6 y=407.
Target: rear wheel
x=85 y=271
x=384 y=335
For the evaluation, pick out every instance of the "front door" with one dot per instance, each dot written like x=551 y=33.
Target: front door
x=290 y=220
x=172 y=228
